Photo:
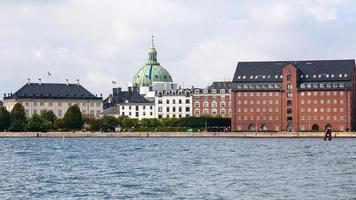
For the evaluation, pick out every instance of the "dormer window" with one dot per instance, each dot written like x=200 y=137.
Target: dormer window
x=319 y=76
x=314 y=76
x=345 y=75
x=263 y=76
x=276 y=76
x=238 y=77
x=340 y=75
x=251 y=77
x=243 y=77
x=307 y=76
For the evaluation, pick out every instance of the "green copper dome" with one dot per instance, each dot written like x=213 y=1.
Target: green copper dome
x=152 y=71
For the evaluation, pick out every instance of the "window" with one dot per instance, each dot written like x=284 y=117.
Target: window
x=289 y=86
x=187 y=101
x=289 y=94
x=289 y=77
x=289 y=111
x=289 y=102
x=159 y=101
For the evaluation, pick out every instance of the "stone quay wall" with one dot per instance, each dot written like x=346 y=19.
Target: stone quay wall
x=174 y=135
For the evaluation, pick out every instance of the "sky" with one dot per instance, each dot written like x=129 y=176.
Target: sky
x=198 y=42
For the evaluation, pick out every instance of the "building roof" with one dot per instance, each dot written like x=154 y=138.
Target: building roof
x=129 y=97
x=152 y=71
x=111 y=111
x=52 y=91
x=309 y=70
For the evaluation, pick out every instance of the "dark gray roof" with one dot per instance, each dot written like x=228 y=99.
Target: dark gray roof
x=52 y=91
x=129 y=97
x=111 y=111
x=329 y=70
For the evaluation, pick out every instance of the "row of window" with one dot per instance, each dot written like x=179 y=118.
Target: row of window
x=322 y=110
x=251 y=102
x=213 y=104
x=259 y=86
x=59 y=113
x=327 y=118
x=214 y=98
x=136 y=107
x=213 y=91
x=264 y=118
x=301 y=76
x=322 y=85
x=257 y=94
x=187 y=101
x=213 y=112
x=91 y=104
x=137 y=114
x=174 y=109
x=322 y=93
x=322 y=101
x=258 y=110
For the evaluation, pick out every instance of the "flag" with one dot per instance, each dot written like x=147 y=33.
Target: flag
x=113 y=82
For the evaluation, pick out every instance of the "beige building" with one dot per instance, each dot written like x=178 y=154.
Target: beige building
x=57 y=97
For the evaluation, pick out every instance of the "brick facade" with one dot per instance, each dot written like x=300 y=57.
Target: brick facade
x=286 y=102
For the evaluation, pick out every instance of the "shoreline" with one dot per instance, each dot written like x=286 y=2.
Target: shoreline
x=174 y=135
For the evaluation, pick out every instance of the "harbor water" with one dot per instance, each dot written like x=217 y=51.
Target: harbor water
x=177 y=168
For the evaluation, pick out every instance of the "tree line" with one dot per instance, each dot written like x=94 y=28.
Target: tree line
x=73 y=120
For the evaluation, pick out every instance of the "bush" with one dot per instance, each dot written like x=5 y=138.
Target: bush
x=17 y=118
x=109 y=123
x=92 y=124
x=37 y=123
x=4 y=119
x=48 y=115
x=58 y=124
x=129 y=123
x=73 y=119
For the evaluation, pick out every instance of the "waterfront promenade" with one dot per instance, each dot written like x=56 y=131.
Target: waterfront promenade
x=175 y=134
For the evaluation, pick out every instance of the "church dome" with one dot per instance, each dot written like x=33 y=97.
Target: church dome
x=152 y=71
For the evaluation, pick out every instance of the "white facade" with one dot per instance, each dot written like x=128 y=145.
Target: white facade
x=137 y=110
x=91 y=108
x=173 y=104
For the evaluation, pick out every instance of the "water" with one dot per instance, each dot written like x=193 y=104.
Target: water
x=177 y=169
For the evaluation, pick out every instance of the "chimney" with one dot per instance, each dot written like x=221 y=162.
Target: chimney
x=28 y=81
x=78 y=82
x=39 y=81
x=129 y=89
x=67 y=82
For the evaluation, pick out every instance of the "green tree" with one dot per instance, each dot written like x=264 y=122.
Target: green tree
x=129 y=123
x=109 y=123
x=4 y=119
x=37 y=123
x=93 y=124
x=73 y=119
x=58 y=124
x=17 y=118
x=48 y=115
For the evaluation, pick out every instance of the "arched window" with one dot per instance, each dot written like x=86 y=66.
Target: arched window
x=187 y=101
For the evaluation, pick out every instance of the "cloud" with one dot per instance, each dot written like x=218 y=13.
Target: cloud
x=197 y=41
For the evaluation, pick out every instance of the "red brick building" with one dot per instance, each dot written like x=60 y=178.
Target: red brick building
x=294 y=95
x=214 y=100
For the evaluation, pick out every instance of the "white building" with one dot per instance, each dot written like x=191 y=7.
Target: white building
x=129 y=103
x=173 y=104
x=37 y=97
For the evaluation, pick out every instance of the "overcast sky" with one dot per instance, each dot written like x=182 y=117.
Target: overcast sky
x=198 y=42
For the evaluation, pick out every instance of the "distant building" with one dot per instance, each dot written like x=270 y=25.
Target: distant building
x=152 y=76
x=57 y=97
x=128 y=103
x=173 y=104
x=294 y=95
x=212 y=101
